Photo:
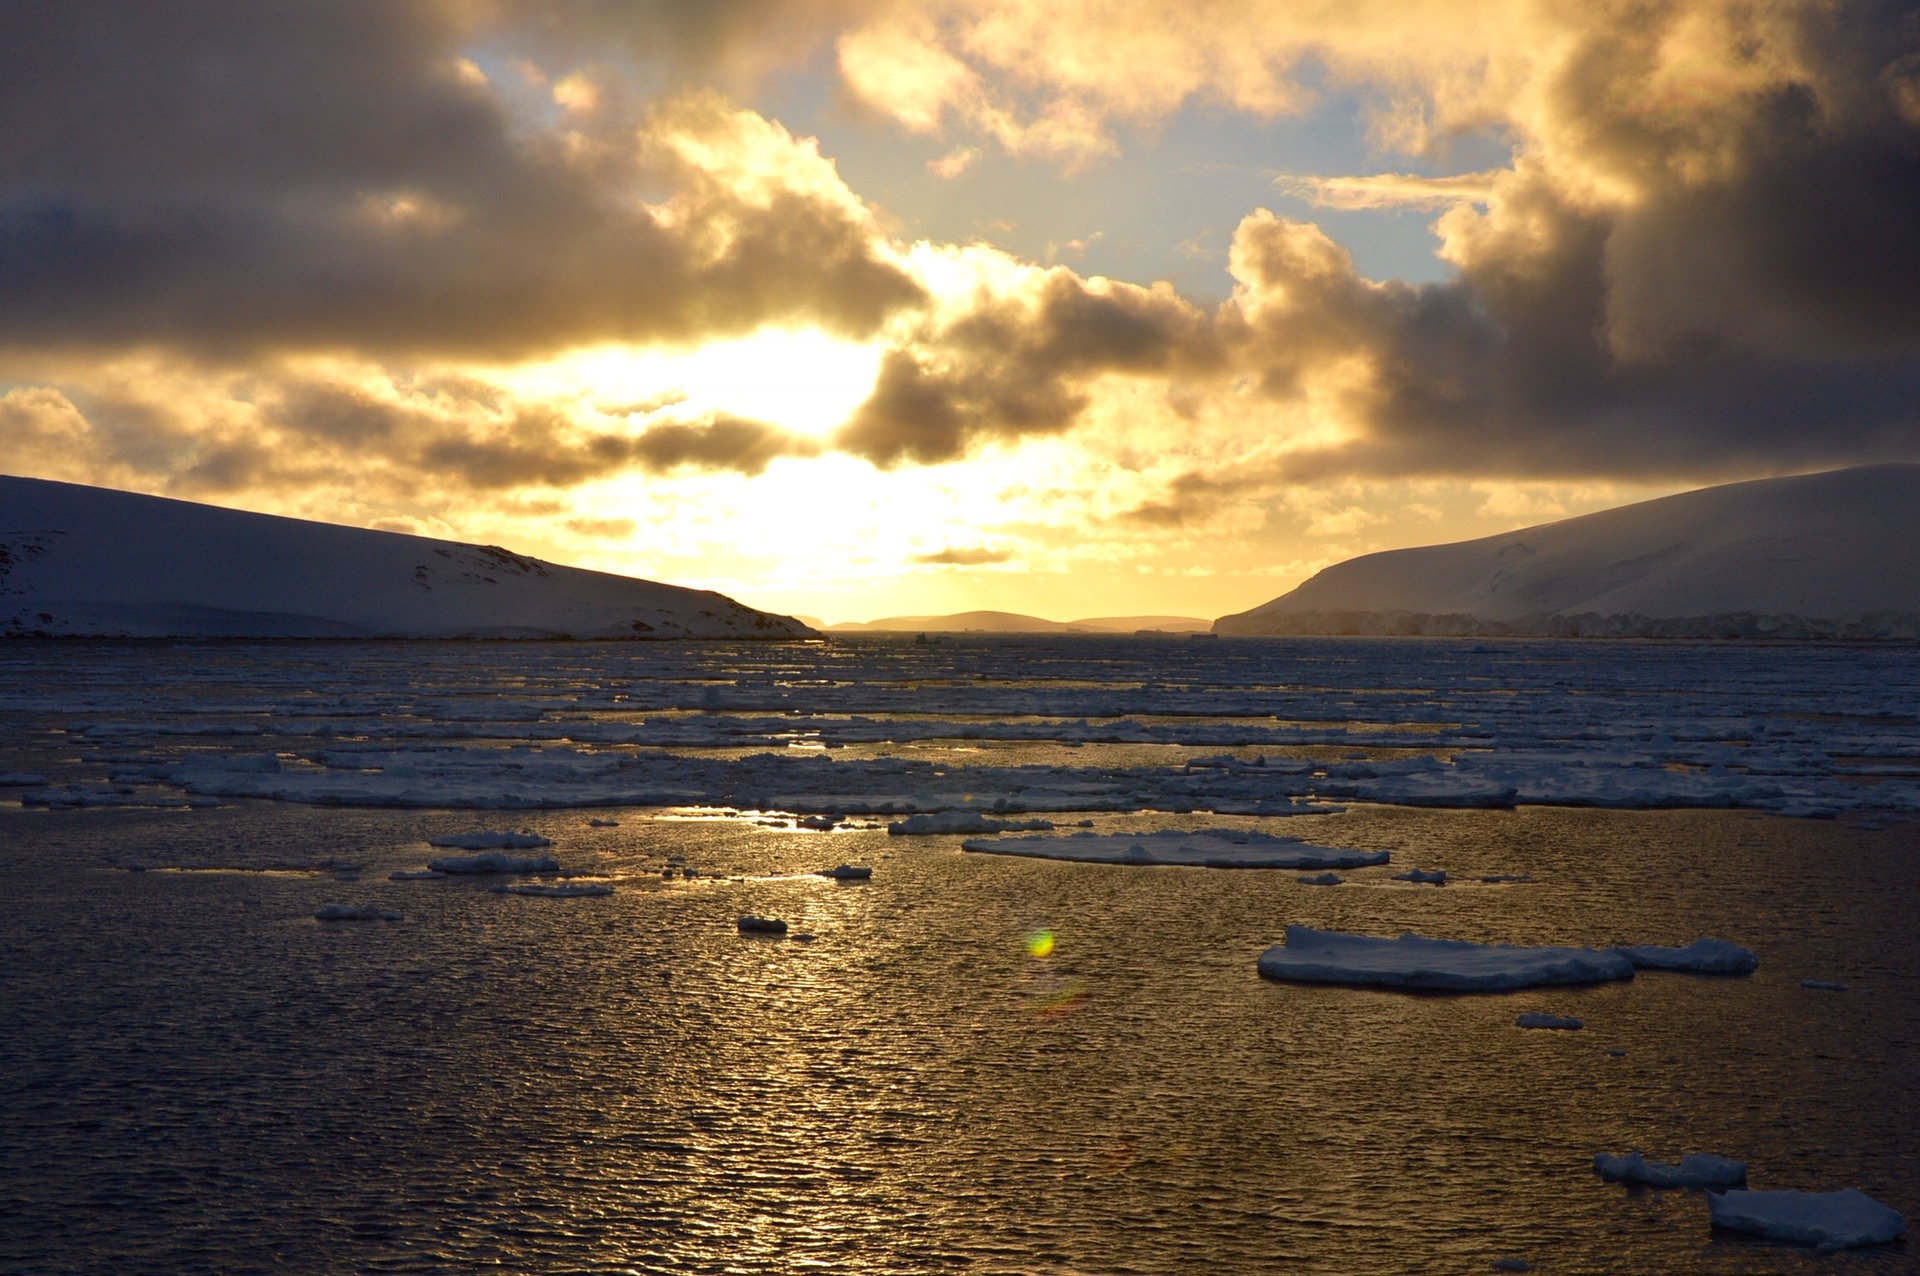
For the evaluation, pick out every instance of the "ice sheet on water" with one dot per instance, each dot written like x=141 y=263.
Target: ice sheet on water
x=961 y=822
x=20 y=779
x=354 y=913
x=1413 y=961
x=1826 y=1220
x=1541 y=1019
x=1207 y=848
x=494 y=862
x=489 y=840
x=1432 y=877
x=415 y=875
x=1320 y=879
x=556 y=890
x=1702 y=956
x=1700 y=1169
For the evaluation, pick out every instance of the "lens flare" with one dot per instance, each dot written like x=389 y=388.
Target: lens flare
x=1040 y=943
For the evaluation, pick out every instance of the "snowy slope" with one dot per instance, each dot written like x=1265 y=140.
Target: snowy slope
x=1834 y=554
x=87 y=561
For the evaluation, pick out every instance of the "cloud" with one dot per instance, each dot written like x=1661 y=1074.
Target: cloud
x=337 y=177
x=1390 y=190
x=963 y=556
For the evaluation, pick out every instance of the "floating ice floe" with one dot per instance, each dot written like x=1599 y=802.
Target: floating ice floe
x=1541 y=1019
x=962 y=822
x=1512 y=1265
x=1701 y=1169
x=354 y=913
x=1496 y=879
x=1208 y=848
x=20 y=780
x=1826 y=1220
x=495 y=862
x=414 y=874
x=845 y=873
x=818 y=823
x=1701 y=957
x=1413 y=961
x=1823 y=985
x=490 y=841
x=1320 y=879
x=762 y=926
x=557 y=890
x=603 y=824
x=1436 y=876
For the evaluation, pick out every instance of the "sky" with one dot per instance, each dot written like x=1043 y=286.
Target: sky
x=859 y=308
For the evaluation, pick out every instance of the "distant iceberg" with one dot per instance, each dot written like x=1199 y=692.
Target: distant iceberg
x=1412 y=961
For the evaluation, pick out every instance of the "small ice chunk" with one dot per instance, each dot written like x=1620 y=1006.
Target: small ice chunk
x=1437 y=876
x=845 y=873
x=1823 y=985
x=414 y=874
x=490 y=840
x=559 y=890
x=762 y=926
x=21 y=780
x=820 y=823
x=1701 y=1169
x=354 y=913
x=1541 y=1019
x=1495 y=879
x=962 y=822
x=1826 y=1220
x=1512 y=1265
x=494 y=862
x=1320 y=879
x=1413 y=961
x=1701 y=957
x=603 y=824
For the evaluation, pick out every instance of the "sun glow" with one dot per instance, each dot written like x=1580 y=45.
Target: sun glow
x=800 y=380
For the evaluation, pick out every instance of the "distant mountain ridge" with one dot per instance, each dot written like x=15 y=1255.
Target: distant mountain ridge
x=1831 y=555
x=1007 y=622
x=92 y=562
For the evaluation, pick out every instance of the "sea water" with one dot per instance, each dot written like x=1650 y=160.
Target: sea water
x=971 y=1063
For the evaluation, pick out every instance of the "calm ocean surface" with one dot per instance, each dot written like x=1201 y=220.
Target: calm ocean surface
x=201 y=1077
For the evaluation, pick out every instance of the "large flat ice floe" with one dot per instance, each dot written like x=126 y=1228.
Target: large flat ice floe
x=1208 y=848
x=1826 y=1220
x=1413 y=961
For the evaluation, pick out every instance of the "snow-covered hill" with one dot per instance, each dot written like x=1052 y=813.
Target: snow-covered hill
x=1815 y=555
x=87 y=561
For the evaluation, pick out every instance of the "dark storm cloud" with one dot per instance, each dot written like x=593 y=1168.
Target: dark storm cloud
x=234 y=175
x=1013 y=365
x=1747 y=299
